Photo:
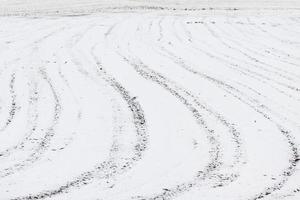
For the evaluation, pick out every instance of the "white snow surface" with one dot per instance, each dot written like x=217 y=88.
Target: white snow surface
x=73 y=7
x=160 y=100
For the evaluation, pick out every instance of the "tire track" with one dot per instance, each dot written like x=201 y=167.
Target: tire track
x=32 y=123
x=73 y=59
x=192 y=104
x=239 y=68
x=116 y=164
x=43 y=144
x=294 y=158
x=13 y=106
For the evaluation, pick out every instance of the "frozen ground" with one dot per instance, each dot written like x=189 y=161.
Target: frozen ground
x=149 y=102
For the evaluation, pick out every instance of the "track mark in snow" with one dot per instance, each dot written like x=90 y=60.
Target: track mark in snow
x=92 y=105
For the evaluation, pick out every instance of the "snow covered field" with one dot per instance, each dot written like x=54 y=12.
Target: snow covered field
x=149 y=103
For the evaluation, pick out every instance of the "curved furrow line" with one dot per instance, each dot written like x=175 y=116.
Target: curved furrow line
x=42 y=33
x=33 y=137
x=160 y=29
x=261 y=109
x=266 y=50
x=117 y=163
x=79 y=114
x=230 y=126
x=32 y=117
x=168 y=53
x=239 y=68
x=287 y=55
x=282 y=53
x=220 y=84
x=183 y=64
x=43 y=144
x=269 y=50
x=275 y=25
x=260 y=94
x=114 y=165
x=294 y=159
x=60 y=63
x=243 y=61
x=155 y=103
x=75 y=39
x=262 y=51
x=13 y=107
x=136 y=109
x=259 y=64
x=189 y=101
x=291 y=87
x=139 y=120
x=283 y=41
x=233 y=66
x=48 y=35
x=192 y=104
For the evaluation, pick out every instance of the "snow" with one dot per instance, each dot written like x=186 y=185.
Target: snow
x=160 y=100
